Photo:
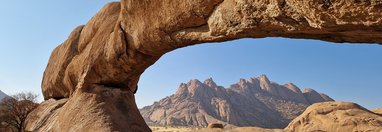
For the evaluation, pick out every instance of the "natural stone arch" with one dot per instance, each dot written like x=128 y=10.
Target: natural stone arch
x=98 y=67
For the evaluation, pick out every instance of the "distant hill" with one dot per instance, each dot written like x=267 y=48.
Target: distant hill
x=252 y=102
x=2 y=95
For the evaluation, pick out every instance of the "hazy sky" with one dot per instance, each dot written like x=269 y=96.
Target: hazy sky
x=29 y=30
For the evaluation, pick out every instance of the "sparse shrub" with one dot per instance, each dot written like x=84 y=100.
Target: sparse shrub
x=215 y=125
x=15 y=110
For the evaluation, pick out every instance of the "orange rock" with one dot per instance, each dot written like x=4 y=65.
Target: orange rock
x=116 y=46
x=336 y=117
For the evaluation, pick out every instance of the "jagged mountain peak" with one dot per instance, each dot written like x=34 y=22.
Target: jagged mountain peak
x=314 y=97
x=194 y=82
x=197 y=89
x=326 y=97
x=182 y=90
x=253 y=80
x=310 y=90
x=264 y=78
x=266 y=85
x=194 y=85
x=290 y=85
x=243 y=83
x=210 y=82
x=293 y=87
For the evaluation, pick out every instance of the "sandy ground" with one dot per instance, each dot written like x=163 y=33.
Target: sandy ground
x=195 y=129
x=173 y=129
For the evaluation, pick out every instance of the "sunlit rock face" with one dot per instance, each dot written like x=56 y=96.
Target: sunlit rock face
x=245 y=103
x=378 y=111
x=336 y=117
x=124 y=38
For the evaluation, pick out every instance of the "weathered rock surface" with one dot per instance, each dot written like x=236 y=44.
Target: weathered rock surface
x=93 y=110
x=116 y=46
x=378 y=111
x=250 y=102
x=45 y=116
x=336 y=117
x=85 y=69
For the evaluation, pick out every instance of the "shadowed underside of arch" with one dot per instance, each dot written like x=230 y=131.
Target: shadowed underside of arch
x=97 y=68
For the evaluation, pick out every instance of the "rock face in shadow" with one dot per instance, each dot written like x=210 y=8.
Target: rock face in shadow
x=336 y=117
x=2 y=95
x=250 y=102
x=123 y=39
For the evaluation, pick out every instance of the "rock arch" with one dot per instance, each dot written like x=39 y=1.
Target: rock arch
x=97 y=68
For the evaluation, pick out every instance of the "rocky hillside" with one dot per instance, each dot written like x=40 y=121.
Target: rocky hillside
x=252 y=102
x=2 y=95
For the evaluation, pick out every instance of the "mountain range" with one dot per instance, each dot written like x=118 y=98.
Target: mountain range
x=249 y=102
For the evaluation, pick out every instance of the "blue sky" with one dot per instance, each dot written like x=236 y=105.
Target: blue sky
x=29 y=30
